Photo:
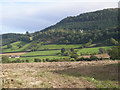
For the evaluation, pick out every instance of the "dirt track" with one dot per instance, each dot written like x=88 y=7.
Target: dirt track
x=20 y=53
x=57 y=74
x=98 y=55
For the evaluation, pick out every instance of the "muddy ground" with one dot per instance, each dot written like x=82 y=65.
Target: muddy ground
x=82 y=74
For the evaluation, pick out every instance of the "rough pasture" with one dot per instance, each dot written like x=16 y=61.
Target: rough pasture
x=81 y=74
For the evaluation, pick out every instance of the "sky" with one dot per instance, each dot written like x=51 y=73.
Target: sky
x=19 y=16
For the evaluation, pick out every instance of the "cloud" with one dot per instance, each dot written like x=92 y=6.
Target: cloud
x=59 y=0
x=35 y=16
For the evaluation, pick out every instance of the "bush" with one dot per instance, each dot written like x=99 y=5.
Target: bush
x=22 y=61
x=82 y=58
x=5 y=59
x=92 y=57
x=9 y=46
x=72 y=59
x=27 y=61
x=43 y=60
x=75 y=56
x=114 y=53
x=18 y=61
x=47 y=59
x=37 y=60
x=65 y=54
x=102 y=51
x=88 y=59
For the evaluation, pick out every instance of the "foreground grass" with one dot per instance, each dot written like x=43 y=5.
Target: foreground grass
x=61 y=75
x=102 y=84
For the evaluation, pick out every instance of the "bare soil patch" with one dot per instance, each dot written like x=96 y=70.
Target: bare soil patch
x=97 y=55
x=57 y=74
x=20 y=53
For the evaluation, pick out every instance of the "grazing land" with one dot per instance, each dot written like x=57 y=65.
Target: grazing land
x=82 y=74
x=20 y=53
x=77 y=52
x=51 y=51
x=92 y=50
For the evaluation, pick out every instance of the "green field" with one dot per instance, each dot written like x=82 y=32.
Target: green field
x=91 y=50
x=51 y=51
x=15 y=47
x=55 y=46
x=55 y=54
x=24 y=46
x=47 y=53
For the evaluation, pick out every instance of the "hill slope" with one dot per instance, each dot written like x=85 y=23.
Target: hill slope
x=102 y=19
x=100 y=27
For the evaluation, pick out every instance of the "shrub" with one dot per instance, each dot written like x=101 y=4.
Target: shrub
x=43 y=60
x=87 y=59
x=114 y=53
x=36 y=60
x=72 y=59
x=9 y=46
x=75 y=56
x=23 y=61
x=102 y=51
x=66 y=54
x=27 y=61
x=18 y=61
x=47 y=59
x=82 y=58
x=5 y=59
x=62 y=50
x=92 y=57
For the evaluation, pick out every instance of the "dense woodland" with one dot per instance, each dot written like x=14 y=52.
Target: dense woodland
x=100 y=27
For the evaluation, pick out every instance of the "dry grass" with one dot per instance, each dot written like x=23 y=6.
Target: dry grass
x=97 y=55
x=59 y=74
x=20 y=53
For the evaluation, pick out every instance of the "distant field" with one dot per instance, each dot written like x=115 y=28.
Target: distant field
x=15 y=47
x=91 y=50
x=49 y=50
x=55 y=46
x=43 y=55
x=24 y=46
x=31 y=59
x=47 y=53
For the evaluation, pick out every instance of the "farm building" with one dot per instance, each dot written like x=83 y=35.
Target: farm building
x=14 y=56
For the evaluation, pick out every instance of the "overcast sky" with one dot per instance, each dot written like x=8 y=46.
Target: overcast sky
x=19 y=16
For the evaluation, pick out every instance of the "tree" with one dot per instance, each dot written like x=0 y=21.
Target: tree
x=92 y=57
x=72 y=49
x=62 y=50
x=75 y=56
x=89 y=43
x=113 y=41
x=102 y=50
x=28 y=34
x=9 y=46
x=114 y=53
x=5 y=59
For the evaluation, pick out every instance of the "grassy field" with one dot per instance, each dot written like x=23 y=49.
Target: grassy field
x=54 y=54
x=83 y=74
x=55 y=46
x=42 y=53
x=49 y=51
x=24 y=46
x=91 y=50
x=15 y=47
